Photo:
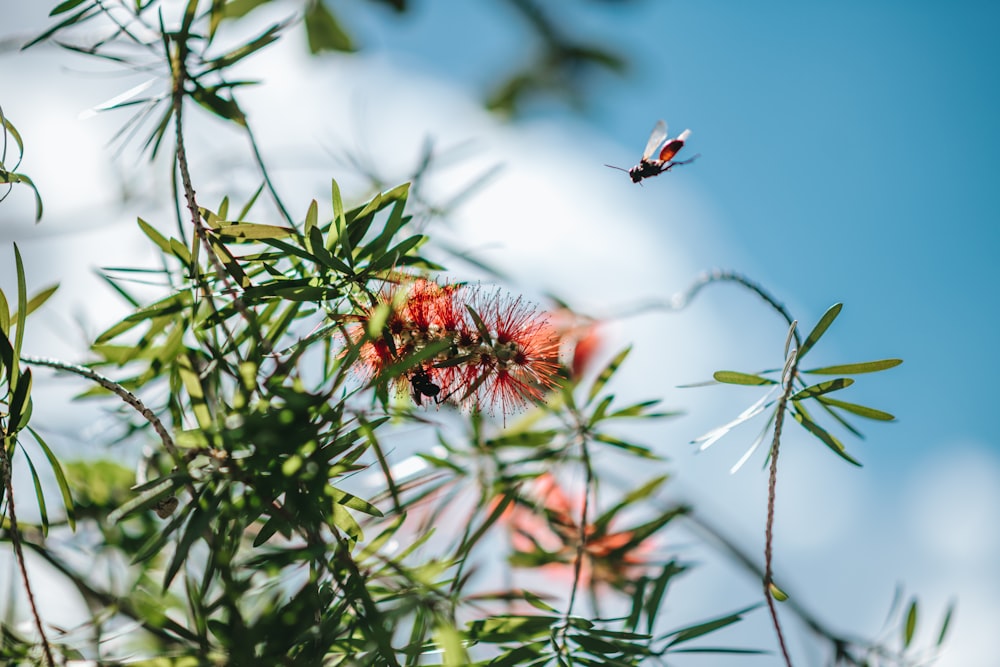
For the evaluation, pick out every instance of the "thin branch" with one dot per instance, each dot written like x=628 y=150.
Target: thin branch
x=121 y=392
x=178 y=94
x=772 y=484
x=682 y=299
x=15 y=538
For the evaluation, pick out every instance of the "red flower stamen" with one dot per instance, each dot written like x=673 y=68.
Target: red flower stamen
x=505 y=356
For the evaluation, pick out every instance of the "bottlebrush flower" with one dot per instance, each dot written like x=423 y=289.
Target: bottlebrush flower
x=500 y=352
x=549 y=535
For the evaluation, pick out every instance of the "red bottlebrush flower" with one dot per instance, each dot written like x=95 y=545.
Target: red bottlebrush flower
x=503 y=356
x=550 y=536
x=520 y=362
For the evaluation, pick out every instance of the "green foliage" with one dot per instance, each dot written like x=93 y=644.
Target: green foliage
x=800 y=393
x=277 y=514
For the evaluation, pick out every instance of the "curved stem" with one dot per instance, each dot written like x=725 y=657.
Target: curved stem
x=121 y=392
x=772 y=484
x=682 y=299
x=15 y=538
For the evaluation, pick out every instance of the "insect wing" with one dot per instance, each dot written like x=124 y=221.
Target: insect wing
x=672 y=146
x=656 y=138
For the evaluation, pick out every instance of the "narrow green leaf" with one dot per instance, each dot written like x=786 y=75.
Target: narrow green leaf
x=195 y=391
x=197 y=528
x=252 y=231
x=776 y=592
x=22 y=313
x=945 y=624
x=638 y=450
x=43 y=511
x=250 y=202
x=856 y=369
x=910 y=627
x=222 y=107
x=60 y=476
x=63 y=7
x=824 y=323
x=735 y=377
x=14 y=178
x=608 y=372
x=339 y=228
x=822 y=388
x=699 y=629
x=600 y=410
x=19 y=406
x=4 y=313
x=473 y=539
x=239 y=53
x=350 y=500
x=85 y=12
x=312 y=219
x=860 y=410
x=802 y=417
x=36 y=302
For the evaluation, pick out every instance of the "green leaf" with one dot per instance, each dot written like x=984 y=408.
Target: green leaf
x=14 y=178
x=226 y=60
x=197 y=528
x=822 y=388
x=802 y=417
x=856 y=369
x=699 y=629
x=324 y=31
x=36 y=302
x=4 y=313
x=63 y=7
x=39 y=495
x=860 y=410
x=945 y=624
x=20 y=405
x=60 y=476
x=735 y=377
x=824 y=323
x=85 y=12
x=638 y=450
x=910 y=627
x=607 y=373
x=312 y=219
x=659 y=589
x=352 y=501
x=252 y=231
x=210 y=99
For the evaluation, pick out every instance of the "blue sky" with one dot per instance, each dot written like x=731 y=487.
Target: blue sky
x=849 y=150
x=847 y=155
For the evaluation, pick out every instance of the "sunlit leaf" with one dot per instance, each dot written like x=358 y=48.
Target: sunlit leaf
x=324 y=31
x=607 y=373
x=945 y=624
x=802 y=417
x=860 y=410
x=735 y=377
x=824 y=323
x=822 y=388
x=910 y=626
x=690 y=632
x=856 y=369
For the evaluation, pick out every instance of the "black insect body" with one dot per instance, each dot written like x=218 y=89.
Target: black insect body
x=663 y=148
x=422 y=385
